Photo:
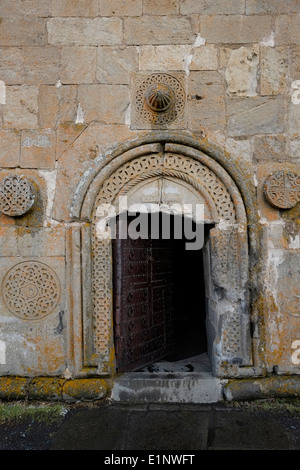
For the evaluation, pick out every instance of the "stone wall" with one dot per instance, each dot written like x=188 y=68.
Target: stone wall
x=69 y=71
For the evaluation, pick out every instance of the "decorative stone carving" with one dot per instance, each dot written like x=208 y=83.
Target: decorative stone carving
x=17 y=195
x=126 y=176
x=31 y=290
x=159 y=99
x=282 y=189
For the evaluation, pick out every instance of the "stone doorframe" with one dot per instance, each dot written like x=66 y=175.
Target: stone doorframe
x=228 y=197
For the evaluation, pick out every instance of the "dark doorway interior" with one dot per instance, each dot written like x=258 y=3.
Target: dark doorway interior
x=184 y=269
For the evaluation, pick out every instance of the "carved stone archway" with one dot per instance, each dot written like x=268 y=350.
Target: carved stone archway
x=226 y=252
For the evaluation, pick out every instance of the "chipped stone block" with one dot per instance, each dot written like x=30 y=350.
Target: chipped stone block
x=164 y=57
x=241 y=71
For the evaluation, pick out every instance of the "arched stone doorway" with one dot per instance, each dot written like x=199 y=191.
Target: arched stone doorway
x=226 y=262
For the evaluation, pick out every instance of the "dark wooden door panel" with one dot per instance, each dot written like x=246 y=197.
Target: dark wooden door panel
x=143 y=301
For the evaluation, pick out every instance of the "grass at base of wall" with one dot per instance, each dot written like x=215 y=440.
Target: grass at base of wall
x=42 y=412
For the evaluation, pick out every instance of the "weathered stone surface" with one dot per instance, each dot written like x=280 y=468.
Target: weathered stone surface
x=37 y=242
x=272 y=6
x=45 y=388
x=41 y=65
x=9 y=148
x=274 y=70
x=22 y=32
x=38 y=149
x=85 y=31
x=13 y=388
x=204 y=7
x=257 y=115
x=66 y=134
x=114 y=65
x=84 y=389
x=159 y=30
x=74 y=8
x=293 y=120
x=106 y=103
x=242 y=72
x=235 y=28
x=57 y=104
x=206 y=101
x=11 y=65
x=164 y=57
x=78 y=64
x=38 y=8
x=121 y=7
x=287 y=29
x=21 y=110
x=270 y=148
x=160 y=7
x=205 y=58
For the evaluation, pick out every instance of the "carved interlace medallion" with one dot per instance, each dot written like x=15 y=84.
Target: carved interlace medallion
x=282 y=189
x=17 y=195
x=31 y=290
x=159 y=98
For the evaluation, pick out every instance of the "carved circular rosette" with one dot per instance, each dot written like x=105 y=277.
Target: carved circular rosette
x=282 y=189
x=160 y=98
x=17 y=195
x=31 y=290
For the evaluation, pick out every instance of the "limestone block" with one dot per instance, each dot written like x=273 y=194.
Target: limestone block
x=74 y=8
x=21 y=110
x=105 y=103
x=8 y=241
x=295 y=150
x=37 y=242
x=9 y=148
x=294 y=120
x=205 y=58
x=257 y=115
x=41 y=65
x=11 y=65
x=160 y=7
x=23 y=8
x=22 y=32
x=114 y=65
x=294 y=62
x=38 y=149
x=235 y=29
x=66 y=134
x=287 y=29
x=206 y=101
x=121 y=7
x=159 y=30
x=57 y=104
x=270 y=148
x=206 y=7
x=78 y=64
x=272 y=6
x=164 y=57
x=85 y=31
x=241 y=71
x=274 y=70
